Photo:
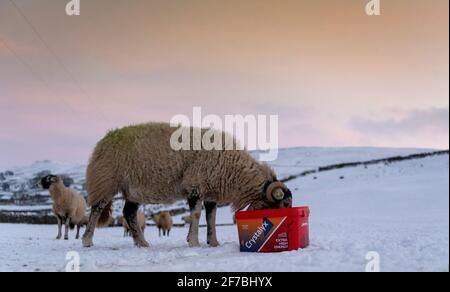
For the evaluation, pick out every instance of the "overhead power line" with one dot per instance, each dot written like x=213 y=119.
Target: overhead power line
x=23 y=62
x=49 y=49
x=58 y=60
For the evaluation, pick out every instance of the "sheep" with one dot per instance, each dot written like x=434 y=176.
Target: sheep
x=69 y=206
x=187 y=219
x=164 y=223
x=140 y=162
x=85 y=220
x=107 y=224
x=141 y=221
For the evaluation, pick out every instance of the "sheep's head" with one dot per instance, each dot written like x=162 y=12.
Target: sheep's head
x=275 y=195
x=48 y=181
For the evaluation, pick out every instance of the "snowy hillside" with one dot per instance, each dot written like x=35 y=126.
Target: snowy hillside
x=18 y=185
x=399 y=210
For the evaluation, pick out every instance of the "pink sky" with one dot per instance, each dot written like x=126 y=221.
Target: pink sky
x=335 y=76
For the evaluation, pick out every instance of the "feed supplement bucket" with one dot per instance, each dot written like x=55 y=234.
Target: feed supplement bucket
x=275 y=230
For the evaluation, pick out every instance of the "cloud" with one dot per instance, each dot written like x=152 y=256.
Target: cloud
x=431 y=124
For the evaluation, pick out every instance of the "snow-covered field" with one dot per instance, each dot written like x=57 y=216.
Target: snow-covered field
x=400 y=211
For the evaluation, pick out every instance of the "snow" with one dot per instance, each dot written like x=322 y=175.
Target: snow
x=5 y=195
x=400 y=211
x=295 y=160
x=15 y=208
x=54 y=167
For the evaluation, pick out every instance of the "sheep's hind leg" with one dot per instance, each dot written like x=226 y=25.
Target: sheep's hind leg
x=195 y=204
x=211 y=210
x=96 y=212
x=130 y=214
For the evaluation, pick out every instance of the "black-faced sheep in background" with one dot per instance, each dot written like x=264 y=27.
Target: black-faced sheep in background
x=69 y=206
x=139 y=162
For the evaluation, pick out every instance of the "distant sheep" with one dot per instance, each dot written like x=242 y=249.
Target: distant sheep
x=69 y=206
x=164 y=223
x=187 y=219
x=107 y=224
x=139 y=162
x=126 y=228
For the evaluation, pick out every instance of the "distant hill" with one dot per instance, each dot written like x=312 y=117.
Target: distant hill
x=19 y=193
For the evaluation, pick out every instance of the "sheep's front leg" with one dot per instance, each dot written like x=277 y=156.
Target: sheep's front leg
x=195 y=205
x=78 y=231
x=130 y=214
x=211 y=210
x=66 y=231
x=58 y=218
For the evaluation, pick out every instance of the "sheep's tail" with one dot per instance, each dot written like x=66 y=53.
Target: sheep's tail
x=106 y=216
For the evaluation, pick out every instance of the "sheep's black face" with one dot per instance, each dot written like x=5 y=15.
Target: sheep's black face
x=47 y=181
x=275 y=196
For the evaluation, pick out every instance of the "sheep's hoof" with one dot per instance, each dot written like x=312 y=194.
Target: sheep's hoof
x=194 y=244
x=58 y=237
x=66 y=238
x=87 y=242
x=213 y=243
x=141 y=244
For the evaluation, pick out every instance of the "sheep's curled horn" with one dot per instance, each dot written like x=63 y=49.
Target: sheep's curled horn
x=275 y=192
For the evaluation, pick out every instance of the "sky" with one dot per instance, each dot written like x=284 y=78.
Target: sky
x=335 y=76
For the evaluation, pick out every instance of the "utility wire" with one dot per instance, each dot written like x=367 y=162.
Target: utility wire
x=49 y=49
x=23 y=62
x=53 y=53
x=33 y=72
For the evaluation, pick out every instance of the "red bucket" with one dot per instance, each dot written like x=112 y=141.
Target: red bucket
x=275 y=230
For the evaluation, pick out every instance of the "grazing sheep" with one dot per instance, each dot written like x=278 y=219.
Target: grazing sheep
x=164 y=223
x=141 y=221
x=107 y=224
x=187 y=219
x=139 y=162
x=69 y=206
